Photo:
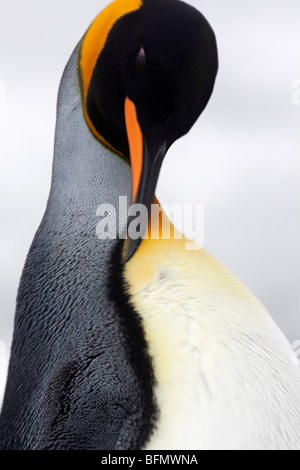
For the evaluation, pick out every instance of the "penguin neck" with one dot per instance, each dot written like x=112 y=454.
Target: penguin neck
x=160 y=238
x=83 y=168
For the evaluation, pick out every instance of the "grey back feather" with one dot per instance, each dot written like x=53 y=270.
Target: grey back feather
x=71 y=384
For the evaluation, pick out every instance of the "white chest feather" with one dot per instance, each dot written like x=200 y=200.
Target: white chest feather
x=225 y=378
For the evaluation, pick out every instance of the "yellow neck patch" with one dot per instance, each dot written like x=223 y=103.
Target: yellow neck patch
x=93 y=44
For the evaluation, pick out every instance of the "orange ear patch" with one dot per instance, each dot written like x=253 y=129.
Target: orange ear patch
x=93 y=44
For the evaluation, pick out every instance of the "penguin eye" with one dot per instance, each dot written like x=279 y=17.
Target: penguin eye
x=140 y=63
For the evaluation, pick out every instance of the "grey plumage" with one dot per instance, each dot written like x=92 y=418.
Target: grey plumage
x=71 y=382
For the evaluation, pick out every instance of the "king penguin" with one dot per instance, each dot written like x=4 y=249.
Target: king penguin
x=138 y=343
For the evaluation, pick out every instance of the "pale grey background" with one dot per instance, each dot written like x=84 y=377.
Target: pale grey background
x=242 y=159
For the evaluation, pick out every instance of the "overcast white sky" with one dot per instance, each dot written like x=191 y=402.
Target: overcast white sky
x=242 y=159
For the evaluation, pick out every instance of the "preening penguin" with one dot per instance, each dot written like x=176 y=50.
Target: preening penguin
x=138 y=344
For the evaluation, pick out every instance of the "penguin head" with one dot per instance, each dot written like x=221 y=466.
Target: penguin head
x=148 y=69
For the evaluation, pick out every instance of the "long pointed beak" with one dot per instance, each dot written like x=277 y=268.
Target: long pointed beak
x=145 y=167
